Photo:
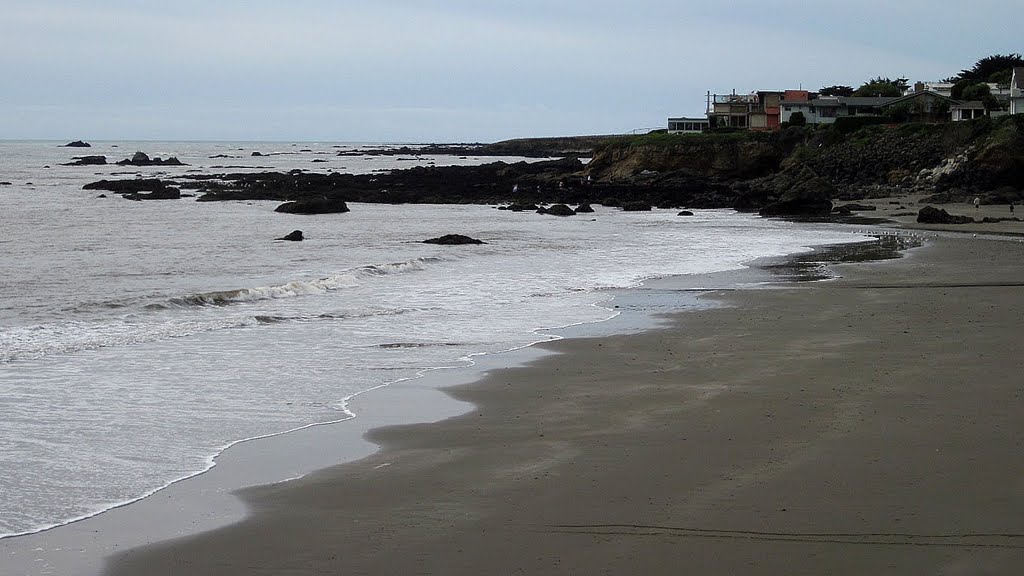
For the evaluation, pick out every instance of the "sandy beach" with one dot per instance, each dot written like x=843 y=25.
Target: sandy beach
x=865 y=425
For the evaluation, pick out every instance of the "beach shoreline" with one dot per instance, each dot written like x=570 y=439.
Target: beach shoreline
x=586 y=460
x=205 y=501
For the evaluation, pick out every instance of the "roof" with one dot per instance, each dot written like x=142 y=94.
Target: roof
x=817 y=103
x=972 y=105
x=868 y=100
x=918 y=95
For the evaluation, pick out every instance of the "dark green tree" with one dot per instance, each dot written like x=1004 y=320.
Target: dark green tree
x=797 y=119
x=994 y=68
x=882 y=87
x=836 y=90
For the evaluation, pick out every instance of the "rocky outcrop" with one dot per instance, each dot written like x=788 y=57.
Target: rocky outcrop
x=86 y=161
x=932 y=215
x=315 y=205
x=293 y=236
x=128 y=186
x=143 y=159
x=453 y=240
x=77 y=144
x=796 y=191
x=584 y=209
x=557 y=210
x=167 y=193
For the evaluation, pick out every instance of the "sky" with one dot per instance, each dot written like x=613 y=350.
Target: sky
x=450 y=70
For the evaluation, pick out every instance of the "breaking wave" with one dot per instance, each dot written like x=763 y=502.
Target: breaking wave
x=295 y=288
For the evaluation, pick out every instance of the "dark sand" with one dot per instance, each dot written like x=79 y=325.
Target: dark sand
x=869 y=425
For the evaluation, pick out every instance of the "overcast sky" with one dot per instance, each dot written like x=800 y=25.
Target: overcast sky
x=450 y=70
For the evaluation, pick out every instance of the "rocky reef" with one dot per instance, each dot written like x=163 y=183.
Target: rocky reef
x=798 y=171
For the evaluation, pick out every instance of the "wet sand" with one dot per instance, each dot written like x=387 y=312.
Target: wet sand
x=867 y=425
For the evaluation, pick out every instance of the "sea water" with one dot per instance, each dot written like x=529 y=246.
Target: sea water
x=139 y=339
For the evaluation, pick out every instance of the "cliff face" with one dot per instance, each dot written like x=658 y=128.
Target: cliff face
x=730 y=157
x=982 y=157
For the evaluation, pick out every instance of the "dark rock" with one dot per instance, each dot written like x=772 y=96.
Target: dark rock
x=256 y=154
x=319 y=160
x=86 y=161
x=559 y=210
x=796 y=191
x=127 y=186
x=77 y=144
x=522 y=207
x=685 y=213
x=636 y=206
x=932 y=215
x=102 y=196
x=315 y=205
x=143 y=159
x=453 y=240
x=584 y=209
x=294 y=236
x=858 y=207
x=5 y=183
x=167 y=193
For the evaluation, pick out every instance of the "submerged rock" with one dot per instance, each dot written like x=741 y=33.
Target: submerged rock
x=453 y=240
x=293 y=236
x=685 y=213
x=86 y=161
x=557 y=210
x=315 y=205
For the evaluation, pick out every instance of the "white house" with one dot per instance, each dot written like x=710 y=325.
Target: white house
x=1017 y=91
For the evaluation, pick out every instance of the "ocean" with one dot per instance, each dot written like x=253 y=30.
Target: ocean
x=138 y=340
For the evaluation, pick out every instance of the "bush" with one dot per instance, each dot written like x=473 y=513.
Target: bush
x=850 y=124
x=797 y=119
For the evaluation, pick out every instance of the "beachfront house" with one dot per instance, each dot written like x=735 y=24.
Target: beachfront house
x=1017 y=91
x=827 y=109
x=921 y=106
x=755 y=111
x=967 y=111
x=684 y=125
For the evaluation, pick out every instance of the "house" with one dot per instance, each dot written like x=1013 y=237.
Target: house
x=967 y=111
x=755 y=111
x=921 y=106
x=731 y=110
x=825 y=110
x=1017 y=91
x=684 y=125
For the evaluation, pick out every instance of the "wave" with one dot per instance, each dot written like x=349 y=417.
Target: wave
x=296 y=288
x=33 y=342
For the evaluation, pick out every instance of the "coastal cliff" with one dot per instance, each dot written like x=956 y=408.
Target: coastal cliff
x=797 y=171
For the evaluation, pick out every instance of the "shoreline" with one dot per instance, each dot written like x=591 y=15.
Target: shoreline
x=204 y=501
x=474 y=513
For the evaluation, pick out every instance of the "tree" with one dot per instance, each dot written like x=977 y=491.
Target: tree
x=994 y=68
x=797 y=119
x=882 y=87
x=836 y=90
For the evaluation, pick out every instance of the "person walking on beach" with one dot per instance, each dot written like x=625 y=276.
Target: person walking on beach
x=1011 y=208
x=977 y=202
